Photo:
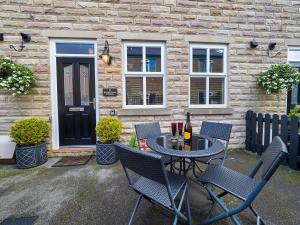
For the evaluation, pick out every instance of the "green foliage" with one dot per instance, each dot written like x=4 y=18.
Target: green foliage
x=294 y=112
x=133 y=143
x=15 y=78
x=28 y=132
x=278 y=78
x=109 y=130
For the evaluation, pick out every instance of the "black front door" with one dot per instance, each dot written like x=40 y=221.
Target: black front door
x=76 y=101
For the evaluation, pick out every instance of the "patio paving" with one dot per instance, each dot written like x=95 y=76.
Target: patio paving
x=94 y=194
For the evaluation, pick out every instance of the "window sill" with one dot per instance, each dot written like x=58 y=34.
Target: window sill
x=144 y=112
x=210 y=111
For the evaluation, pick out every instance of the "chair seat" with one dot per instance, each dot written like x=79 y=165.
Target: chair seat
x=231 y=181
x=157 y=191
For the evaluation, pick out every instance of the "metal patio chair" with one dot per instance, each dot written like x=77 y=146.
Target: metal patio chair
x=154 y=183
x=219 y=131
x=215 y=130
x=243 y=187
x=150 y=130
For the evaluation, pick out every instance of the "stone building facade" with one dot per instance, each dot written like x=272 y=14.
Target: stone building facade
x=214 y=26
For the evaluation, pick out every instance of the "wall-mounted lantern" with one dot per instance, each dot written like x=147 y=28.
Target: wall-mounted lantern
x=26 y=38
x=253 y=44
x=271 y=47
x=106 y=58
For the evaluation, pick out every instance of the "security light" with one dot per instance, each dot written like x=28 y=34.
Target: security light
x=271 y=45
x=253 y=44
x=26 y=38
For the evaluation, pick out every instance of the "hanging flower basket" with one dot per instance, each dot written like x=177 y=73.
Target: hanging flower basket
x=15 y=78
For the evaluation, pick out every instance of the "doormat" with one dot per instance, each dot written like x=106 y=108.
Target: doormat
x=72 y=161
x=20 y=221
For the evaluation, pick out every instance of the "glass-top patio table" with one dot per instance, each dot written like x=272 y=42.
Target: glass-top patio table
x=202 y=147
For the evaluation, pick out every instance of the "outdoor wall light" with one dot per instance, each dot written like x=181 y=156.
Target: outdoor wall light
x=106 y=58
x=271 y=45
x=1 y=37
x=253 y=44
x=26 y=38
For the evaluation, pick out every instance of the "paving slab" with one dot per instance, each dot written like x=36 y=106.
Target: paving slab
x=95 y=194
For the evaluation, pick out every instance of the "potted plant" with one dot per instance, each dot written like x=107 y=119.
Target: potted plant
x=108 y=131
x=15 y=78
x=30 y=136
x=133 y=143
x=278 y=79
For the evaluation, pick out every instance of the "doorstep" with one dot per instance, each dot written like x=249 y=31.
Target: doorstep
x=73 y=151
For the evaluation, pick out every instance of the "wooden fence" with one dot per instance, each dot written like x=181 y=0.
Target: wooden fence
x=262 y=128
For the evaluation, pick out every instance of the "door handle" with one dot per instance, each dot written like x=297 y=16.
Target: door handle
x=94 y=103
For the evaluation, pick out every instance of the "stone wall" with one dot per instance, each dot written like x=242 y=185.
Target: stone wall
x=177 y=22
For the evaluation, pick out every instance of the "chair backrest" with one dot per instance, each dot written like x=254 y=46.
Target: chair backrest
x=147 y=130
x=273 y=157
x=145 y=164
x=220 y=131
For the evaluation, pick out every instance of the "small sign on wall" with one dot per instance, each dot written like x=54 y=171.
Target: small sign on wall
x=110 y=92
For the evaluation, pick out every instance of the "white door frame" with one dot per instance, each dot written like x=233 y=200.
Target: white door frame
x=53 y=73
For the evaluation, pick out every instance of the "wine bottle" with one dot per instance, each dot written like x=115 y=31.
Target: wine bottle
x=188 y=133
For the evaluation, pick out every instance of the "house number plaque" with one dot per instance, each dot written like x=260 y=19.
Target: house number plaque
x=110 y=92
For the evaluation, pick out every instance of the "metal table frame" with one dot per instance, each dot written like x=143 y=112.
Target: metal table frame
x=216 y=148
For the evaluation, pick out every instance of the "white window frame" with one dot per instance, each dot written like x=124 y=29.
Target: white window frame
x=293 y=59
x=208 y=74
x=53 y=70
x=290 y=58
x=143 y=73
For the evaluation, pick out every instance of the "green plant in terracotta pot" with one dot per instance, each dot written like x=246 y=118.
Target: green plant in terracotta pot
x=108 y=131
x=30 y=136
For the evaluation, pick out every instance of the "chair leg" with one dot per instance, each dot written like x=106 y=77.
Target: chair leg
x=227 y=213
x=188 y=209
x=138 y=201
x=171 y=165
x=258 y=218
x=175 y=220
x=211 y=209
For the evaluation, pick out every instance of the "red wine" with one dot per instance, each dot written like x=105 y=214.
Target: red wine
x=188 y=133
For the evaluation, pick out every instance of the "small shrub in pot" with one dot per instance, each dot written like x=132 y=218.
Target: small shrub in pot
x=30 y=136
x=108 y=131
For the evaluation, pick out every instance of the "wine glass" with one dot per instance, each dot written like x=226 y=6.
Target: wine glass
x=174 y=129
x=180 y=129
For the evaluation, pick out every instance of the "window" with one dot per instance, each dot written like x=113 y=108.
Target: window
x=294 y=61
x=144 y=75
x=208 y=75
x=74 y=48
